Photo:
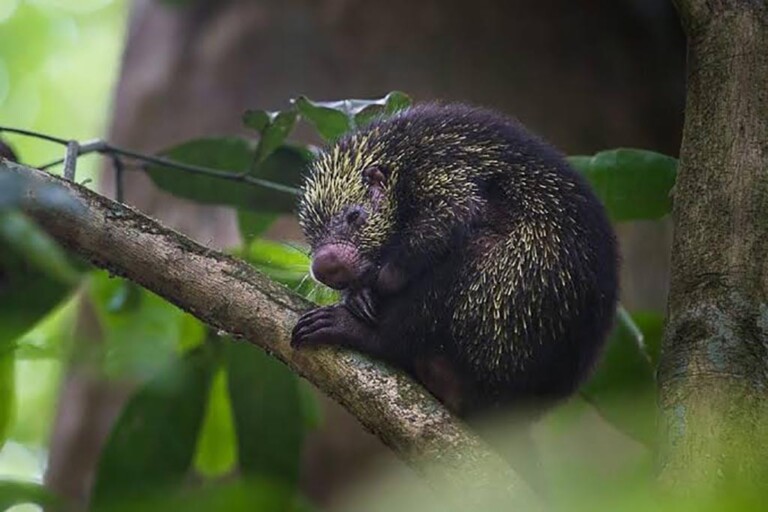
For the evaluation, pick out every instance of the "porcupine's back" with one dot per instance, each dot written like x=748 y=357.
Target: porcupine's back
x=526 y=293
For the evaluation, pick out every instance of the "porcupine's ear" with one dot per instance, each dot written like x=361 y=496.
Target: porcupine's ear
x=375 y=176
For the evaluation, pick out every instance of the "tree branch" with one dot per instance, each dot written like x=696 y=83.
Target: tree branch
x=228 y=294
x=713 y=373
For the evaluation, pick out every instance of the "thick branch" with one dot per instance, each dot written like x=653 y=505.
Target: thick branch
x=713 y=373
x=230 y=295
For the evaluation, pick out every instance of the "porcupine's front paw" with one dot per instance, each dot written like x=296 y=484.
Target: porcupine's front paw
x=362 y=305
x=332 y=325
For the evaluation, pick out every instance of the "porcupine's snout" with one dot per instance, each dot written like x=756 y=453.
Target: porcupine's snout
x=335 y=265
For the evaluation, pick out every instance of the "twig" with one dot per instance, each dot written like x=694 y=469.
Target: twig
x=70 y=160
x=119 y=167
x=105 y=148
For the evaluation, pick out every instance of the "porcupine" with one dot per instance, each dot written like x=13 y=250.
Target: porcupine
x=468 y=252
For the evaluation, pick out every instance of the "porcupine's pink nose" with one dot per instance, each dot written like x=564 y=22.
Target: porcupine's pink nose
x=333 y=265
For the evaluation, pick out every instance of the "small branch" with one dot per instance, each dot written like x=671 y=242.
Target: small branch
x=36 y=135
x=231 y=296
x=75 y=149
x=70 y=160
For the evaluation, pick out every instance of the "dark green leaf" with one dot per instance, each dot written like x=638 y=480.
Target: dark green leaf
x=142 y=334
x=37 y=247
x=396 y=101
x=257 y=119
x=16 y=493
x=330 y=122
x=633 y=184
x=283 y=167
x=216 y=447
x=274 y=134
x=288 y=265
x=313 y=413
x=7 y=396
x=32 y=281
x=334 y=118
x=268 y=413
x=244 y=495
x=369 y=114
x=366 y=111
x=151 y=448
x=623 y=388
x=253 y=224
x=286 y=166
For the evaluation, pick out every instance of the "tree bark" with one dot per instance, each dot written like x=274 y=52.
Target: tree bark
x=231 y=296
x=713 y=374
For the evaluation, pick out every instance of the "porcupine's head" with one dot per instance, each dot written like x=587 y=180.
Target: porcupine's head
x=347 y=206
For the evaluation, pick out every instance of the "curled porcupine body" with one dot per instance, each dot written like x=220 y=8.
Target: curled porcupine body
x=468 y=252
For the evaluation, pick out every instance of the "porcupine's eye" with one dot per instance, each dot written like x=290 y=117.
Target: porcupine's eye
x=356 y=216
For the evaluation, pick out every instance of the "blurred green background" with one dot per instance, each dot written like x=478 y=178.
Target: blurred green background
x=59 y=60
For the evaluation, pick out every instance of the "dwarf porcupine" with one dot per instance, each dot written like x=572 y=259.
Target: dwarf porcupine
x=468 y=252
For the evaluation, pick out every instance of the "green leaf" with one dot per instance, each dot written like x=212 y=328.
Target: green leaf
x=284 y=168
x=274 y=127
x=269 y=417
x=141 y=334
x=330 y=122
x=127 y=297
x=257 y=119
x=17 y=493
x=7 y=396
x=335 y=118
x=288 y=265
x=396 y=101
x=253 y=224
x=623 y=388
x=216 y=448
x=37 y=247
x=243 y=495
x=365 y=111
x=313 y=413
x=152 y=446
x=633 y=184
x=33 y=279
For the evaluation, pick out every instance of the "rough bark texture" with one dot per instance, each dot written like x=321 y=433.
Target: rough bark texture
x=714 y=371
x=229 y=295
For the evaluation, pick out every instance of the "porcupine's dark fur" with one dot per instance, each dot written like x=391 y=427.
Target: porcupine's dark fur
x=510 y=263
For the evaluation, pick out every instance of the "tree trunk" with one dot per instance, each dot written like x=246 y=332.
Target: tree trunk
x=714 y=369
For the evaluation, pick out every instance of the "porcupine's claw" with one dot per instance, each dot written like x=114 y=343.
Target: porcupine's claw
x=361 y=305
x=335 y=325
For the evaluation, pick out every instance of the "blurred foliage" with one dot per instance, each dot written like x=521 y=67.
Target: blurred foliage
x=633 y=184
x=50 y=86
x=282 y=167
x=48 y=50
